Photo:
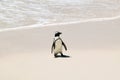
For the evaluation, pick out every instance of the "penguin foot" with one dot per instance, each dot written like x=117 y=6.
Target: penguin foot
x=65 y=56
x=61 y=56
x=56 y=56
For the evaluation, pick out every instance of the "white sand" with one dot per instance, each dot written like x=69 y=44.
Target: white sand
x=94 y=48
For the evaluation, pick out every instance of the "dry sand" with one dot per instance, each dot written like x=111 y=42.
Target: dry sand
x=94 y=48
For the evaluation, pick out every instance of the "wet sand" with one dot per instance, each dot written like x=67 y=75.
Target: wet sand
x=93 y=47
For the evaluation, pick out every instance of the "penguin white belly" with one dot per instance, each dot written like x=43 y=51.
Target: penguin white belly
x=58 y=46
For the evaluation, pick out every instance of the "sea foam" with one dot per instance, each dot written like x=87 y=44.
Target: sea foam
x=65 y=23
x=20 y=13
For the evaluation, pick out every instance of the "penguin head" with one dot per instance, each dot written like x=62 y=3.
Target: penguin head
x=57 y=33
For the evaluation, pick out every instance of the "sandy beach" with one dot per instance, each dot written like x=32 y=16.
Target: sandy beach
x=93 y=47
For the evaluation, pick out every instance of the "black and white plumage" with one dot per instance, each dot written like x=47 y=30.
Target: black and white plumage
x=57 y=44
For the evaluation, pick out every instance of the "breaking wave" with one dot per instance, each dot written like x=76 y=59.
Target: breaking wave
x=17 y=13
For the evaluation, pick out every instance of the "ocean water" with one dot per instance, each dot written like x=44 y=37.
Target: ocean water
x=17 y=13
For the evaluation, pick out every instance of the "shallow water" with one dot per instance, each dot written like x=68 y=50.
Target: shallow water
x=16 y=13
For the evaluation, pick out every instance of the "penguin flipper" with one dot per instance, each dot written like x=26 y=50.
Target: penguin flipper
x=53 y=47
x=64 y=45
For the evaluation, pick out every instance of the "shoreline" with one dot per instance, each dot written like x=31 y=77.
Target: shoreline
x=93 y=47
x=90 y=35
x=55 y=24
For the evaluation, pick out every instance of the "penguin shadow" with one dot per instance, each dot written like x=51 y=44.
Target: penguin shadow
x=62 y=56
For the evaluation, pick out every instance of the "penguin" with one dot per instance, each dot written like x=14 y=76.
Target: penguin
x=57 y=45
